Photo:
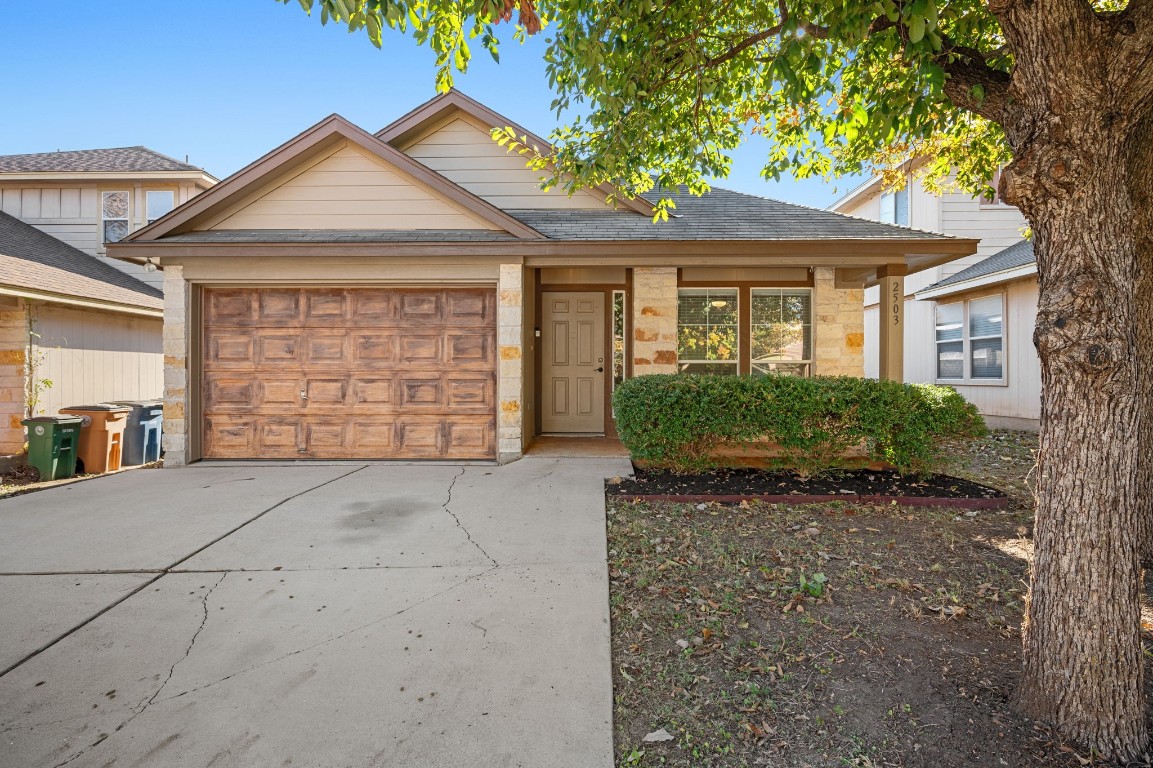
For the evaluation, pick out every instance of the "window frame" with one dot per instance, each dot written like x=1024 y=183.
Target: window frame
x=894 y=195
x=127 y=218
x=148 y=217
x=739 y=348
x=744 y=296
x=967 y=379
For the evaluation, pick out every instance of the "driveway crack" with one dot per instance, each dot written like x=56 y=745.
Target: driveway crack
x=145 y=704
x=448 y=508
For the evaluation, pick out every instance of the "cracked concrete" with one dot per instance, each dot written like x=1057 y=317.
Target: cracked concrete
x=358 y=624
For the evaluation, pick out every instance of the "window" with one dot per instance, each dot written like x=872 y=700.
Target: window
x=159 y=203
x=619 y=334
x=781 y=334
x=707 y=338
x=971 y=340
x=114 y=216
x=895 y=207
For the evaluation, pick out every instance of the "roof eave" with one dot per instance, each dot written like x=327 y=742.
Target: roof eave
x=80 y=301
x=200 y=176
x=984 y=281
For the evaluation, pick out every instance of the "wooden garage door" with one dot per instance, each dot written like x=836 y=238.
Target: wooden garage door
x=364 y=373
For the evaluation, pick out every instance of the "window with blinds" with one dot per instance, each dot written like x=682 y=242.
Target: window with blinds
x=708 y=340
x=971 y=340
x=781 y=330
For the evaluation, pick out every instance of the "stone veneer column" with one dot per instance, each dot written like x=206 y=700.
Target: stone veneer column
x=839 y=327
x=654 y=320
x=510 y=375
x=13 y=351
x=175 y=367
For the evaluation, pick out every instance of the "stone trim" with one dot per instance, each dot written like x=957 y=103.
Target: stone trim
x=13 y=356
x=510 y=361
x=838 y=326
x=176 y=405
x=654 y=321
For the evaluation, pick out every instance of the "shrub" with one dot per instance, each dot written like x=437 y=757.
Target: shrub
x=678 y=422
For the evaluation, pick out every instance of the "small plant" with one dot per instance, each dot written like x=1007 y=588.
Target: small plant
x=35 y=385
x=813 y=585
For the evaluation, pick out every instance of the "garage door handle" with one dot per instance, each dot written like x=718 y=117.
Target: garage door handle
x=303 y=395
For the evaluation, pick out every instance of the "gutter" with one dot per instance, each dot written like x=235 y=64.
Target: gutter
x=1004 y=276
x=107 y=306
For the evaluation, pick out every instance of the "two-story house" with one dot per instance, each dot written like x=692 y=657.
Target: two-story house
x=78 y=327
x=969 y=323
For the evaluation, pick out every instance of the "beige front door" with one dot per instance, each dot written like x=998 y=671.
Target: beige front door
x=573 y=362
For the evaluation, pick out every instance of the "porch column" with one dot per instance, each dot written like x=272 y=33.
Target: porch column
x=510 y=375
x=891 y=336
x=839 y=331
x=654 y=320
x=175 y=429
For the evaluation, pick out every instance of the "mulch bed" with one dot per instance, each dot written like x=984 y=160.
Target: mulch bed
x=777 y=487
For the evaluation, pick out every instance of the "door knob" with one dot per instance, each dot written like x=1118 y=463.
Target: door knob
x=600 y=370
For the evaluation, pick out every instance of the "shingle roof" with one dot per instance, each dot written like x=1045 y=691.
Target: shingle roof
x=341 y=236
x=115 y=160
x=722 y=214
x=1016 y=255
x=34 y=260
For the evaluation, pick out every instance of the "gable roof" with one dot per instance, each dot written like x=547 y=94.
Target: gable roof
x=1013 y=262
x=42 y=265
x=114 y=160
x=323 y=135
x=407 y=127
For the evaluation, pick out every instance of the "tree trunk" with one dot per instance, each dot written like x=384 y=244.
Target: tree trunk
x=1083 y=663
x=1140 y=186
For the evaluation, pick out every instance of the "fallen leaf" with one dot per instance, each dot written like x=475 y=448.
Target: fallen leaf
x=661 y=735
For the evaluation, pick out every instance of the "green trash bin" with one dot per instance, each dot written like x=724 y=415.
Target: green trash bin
x=52 y=445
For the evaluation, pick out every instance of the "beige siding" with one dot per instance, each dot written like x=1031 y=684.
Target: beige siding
x=348 y=189
x=71 y=213
x=996 y=226
x=96 y=356
x=465 y=152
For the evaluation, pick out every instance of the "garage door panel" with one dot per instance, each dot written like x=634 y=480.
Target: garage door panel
x=350 y=373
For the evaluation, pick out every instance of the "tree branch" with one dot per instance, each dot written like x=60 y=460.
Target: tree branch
x=810 y=29
x=966 y=81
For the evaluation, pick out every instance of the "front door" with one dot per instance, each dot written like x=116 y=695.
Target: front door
x=573 y=362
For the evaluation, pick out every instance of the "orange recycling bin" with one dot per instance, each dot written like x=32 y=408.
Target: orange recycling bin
x=101 y=436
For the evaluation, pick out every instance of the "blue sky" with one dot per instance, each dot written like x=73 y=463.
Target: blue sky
x=224 y=81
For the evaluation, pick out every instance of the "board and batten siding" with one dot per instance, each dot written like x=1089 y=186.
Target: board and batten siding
x=1019 y=397
x=71 y=213
x=465 y=152
x=347 y=189
x=997 y=226
x=93 y=357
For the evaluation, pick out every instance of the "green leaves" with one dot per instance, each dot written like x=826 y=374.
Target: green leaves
x=677 y=422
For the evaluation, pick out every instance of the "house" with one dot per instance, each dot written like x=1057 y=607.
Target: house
x=415 y=293
x=90 y=197
x=969 y=322
x=66 y=317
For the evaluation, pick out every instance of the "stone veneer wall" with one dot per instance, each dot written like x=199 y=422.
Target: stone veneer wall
x=654 y=320
x=13 y=353
x=510 y=348
x=839 y=326
x=175 y=368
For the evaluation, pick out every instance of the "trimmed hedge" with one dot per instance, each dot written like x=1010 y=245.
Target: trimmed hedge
x=676 y=422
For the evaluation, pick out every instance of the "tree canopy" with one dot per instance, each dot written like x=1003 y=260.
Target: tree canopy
x=1059 y=92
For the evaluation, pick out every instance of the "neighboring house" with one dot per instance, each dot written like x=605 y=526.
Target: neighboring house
x=416 y=294
x=969 y=323
x=66 y=317
x=91 y=197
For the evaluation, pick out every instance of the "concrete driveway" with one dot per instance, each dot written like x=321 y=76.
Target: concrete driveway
x=340 y=615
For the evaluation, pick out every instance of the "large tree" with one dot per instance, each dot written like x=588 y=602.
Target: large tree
x=1060 y=92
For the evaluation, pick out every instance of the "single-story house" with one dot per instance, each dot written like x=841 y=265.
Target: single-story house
x=67 y=318
x=984 y=318
x=415 y=293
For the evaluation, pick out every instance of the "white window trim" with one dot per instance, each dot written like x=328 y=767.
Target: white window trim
x=812 y=329
x=966 y=349
x=103 y=244
x=736 y=362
